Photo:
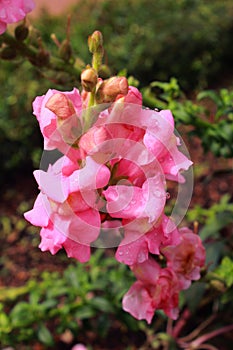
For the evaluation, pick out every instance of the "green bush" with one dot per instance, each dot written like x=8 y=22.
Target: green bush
x=213 y=126
x=155 y=40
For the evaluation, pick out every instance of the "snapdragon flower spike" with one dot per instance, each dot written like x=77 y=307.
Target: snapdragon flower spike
x=112 y=181
x=12 y=11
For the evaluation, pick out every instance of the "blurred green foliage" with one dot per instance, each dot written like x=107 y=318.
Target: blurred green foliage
x=212 y=123
x=83 y=296
x=154 y=40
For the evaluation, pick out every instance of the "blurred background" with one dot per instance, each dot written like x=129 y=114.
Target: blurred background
x=180 y=55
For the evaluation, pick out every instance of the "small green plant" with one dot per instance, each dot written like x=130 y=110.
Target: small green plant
x=214 y=126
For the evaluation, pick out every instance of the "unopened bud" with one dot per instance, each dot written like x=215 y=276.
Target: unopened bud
x=21 y=32
x=65 y=50
x=218 y=285
x=89 y=79
x=95 y=42
x=60 y=105
x=42 y=58
x=8 y=53
x=109 y=89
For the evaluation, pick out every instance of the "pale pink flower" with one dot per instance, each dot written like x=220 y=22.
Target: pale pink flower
x=12 y=11
x=138 y=302
x=132 y=202
x=162 y=142
x=60 y=130
x=186 y=258
x=66 y=208
x=79 y=347
x=156 y=288
x=138 y=243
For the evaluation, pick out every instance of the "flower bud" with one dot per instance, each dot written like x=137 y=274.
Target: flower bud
x=95 y=42
x=218 y=285
x=60 y=105
x=65 y=50
x=109 y=89
x=89 y=79
x=21 y=32
x=8 y=53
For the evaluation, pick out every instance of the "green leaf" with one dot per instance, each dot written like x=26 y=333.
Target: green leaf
x=44 y=335
x=194 y=294
x=102 y=304
x=5 y=326
x=85 y=312
x=225 y=271
x=7 y=293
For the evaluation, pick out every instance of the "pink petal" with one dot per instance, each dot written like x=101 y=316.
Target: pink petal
x=138 y=302
x=40 y=214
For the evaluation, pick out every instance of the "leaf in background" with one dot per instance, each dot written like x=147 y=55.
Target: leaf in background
x=225 y=271
x=44 y=335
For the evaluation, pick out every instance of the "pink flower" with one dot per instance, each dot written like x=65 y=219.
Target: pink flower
x=131 y=202
x=138 y=302
x=59 y=117
x=186 y=258
x=79 y=347
x=155 y=289
x=137 y=243
x=162 y=142
x=12 y=11
x=134 y=96
x=67 y=208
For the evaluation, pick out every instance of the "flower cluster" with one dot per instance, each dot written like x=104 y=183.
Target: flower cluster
x=12 y=11
x=108 y=189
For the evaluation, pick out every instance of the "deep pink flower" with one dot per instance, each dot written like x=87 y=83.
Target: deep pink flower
x=12 y=11
x=186 y=258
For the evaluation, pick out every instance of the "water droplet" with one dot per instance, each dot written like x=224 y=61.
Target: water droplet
x=120 y=253
x=168 y=195
x=141 y=256
x=157 y=193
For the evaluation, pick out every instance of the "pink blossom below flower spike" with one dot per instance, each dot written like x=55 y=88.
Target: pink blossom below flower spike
x=12 y=11
x=156 y=288
x=186 y=258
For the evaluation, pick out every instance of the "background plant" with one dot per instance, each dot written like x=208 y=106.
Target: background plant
x=44 y=308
